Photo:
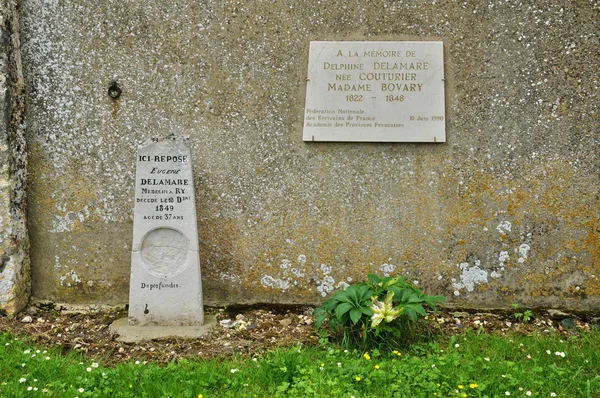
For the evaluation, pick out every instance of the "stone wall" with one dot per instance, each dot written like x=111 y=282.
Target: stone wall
x=14 y=243
x=506 y=211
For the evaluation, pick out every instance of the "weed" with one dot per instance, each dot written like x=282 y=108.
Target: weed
x=524 y=316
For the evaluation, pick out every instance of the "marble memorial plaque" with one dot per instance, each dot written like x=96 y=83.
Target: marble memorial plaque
x=165 y=287
x=375 y=92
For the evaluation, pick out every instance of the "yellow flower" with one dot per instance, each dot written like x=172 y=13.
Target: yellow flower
x=397 y=352
x=376 y=366
x=130 y=386
x=464 y=395
x=438 y=384
x=473 y=385
x=322 y=364
x=367 y=356
x=357 y=378
x=384 y=310
x=200 y=395
x=460 y=386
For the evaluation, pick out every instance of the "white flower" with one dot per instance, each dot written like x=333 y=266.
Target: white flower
x=26 y=351
x=233 y=370
x=137 y=362
x=89 y=369
x=553 y=394
x=47 y=358
x=94 y=365
x=507 y=393
x=548 y=352
x=528 y=393
x=22 y=380
x=339 y=364
x=560 y=354
x=487 y=359
x=7 y=344
x=456 y=345
x=81 y=389
x=29 y=388
x=45 y=390
x=528 y=356
x=385 y=311
x=255 y=359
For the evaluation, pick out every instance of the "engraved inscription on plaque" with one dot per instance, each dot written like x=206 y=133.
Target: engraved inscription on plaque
x=375 y=92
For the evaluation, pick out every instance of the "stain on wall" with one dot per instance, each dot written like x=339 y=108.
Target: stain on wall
x=506 y=211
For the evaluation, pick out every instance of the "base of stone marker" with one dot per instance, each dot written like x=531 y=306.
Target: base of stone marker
x=133 y=333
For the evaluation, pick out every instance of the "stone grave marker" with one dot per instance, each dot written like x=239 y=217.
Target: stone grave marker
x=165 y=287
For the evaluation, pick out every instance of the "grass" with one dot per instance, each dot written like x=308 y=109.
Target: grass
x=466 y=365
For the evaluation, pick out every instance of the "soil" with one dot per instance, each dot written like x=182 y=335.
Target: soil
x=242 y=330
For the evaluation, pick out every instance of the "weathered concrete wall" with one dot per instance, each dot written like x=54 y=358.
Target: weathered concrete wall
x=507 y=211
x=15 y=278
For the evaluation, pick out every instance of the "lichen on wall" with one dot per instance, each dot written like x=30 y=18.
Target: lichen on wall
x=14 y=243
x=506 y=211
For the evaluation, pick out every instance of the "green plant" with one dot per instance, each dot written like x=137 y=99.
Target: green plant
x=377 y=308
x=525 y=316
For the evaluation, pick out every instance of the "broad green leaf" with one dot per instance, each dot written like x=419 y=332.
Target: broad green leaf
x=320 y=319
x=341 y=295
x=418 y=308
x=434 y=299
x=353 y=293
x=405 y=295
x=411 y=314
x=374 y=279
x=366 y=310
x=397 y=292
x=330 y=305
x=415 y=299
x=364 y=292
x=318 y=311
x=355 y=315
x=345 y=320
x=342 y=309
x=333 y=323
